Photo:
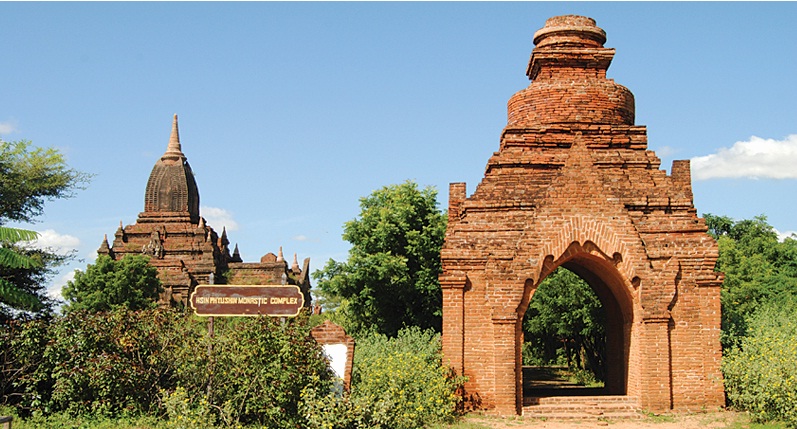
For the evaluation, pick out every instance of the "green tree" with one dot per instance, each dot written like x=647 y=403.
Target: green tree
x=130 y=283
x=758 y=269
x=29 y=177
x=565 y=316
x=390 y=279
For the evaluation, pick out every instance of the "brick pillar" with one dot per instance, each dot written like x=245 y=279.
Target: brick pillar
x=454 y=321
x=655 y=393
x=504 y=362
x=457 y=193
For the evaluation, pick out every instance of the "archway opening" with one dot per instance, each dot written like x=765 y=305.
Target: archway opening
x=576 y=332
x=564 y=338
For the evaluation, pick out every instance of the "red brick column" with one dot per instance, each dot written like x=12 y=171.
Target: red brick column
x=655 y=391
x=504 y=361
x=454 y=321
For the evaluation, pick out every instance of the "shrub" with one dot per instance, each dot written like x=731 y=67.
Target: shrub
x=260 y=367
x=761 y=373
x=186 y=414
x=397 y=383
x=102 y=363
x=402 y=381
x=155 y=362
x=331 y=410
x=23 y=371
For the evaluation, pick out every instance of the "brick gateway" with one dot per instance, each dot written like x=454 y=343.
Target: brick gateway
x=574 y=185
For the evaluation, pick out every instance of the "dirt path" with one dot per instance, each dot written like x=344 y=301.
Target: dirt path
x=713 y=420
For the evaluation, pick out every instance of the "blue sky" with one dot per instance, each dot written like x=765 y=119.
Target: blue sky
x=290 y=112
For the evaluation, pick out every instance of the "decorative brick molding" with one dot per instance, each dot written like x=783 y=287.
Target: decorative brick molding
x=574 y=185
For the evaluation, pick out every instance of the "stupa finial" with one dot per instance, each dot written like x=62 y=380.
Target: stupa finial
x=174 y=150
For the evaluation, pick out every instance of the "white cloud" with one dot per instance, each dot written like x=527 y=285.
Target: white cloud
x=58 y=243
x=54 y=291
x=665 y=152
x=219 y=218
x=7 y=127
x=755 y=159
x=302 y=237
x=786 y=234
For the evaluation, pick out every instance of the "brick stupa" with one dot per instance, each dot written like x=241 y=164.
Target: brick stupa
x=574 y=185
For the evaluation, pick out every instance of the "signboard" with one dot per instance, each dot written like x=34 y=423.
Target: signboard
x=245 y=300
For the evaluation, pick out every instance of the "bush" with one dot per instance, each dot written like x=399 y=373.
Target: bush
x=761 y=373
x=23 y=372
x=397 y=383
x=93 y=363
x=155 y=362
x=183 y=414
x=260 y=367
x=333 y=411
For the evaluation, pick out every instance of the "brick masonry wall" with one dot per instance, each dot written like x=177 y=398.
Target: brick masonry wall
x=574 y=185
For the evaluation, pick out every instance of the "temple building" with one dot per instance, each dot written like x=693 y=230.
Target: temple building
x=182 y=246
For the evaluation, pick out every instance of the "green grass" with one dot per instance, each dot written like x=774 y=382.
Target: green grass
x=61 y=421
x=746 y=424
x=473 y=421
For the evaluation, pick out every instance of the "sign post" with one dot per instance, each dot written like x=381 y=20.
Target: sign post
x=243 y=300
x=247 y=300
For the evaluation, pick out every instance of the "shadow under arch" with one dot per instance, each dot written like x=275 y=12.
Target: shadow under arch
x=613 y=291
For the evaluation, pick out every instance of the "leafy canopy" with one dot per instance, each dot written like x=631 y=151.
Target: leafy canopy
x=130 y=283
x=390 y=279
x=31 y=176
x=758 y=269
x=28 y=178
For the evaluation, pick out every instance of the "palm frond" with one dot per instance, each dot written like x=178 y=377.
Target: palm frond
x=18 y=298
x=15 y=235
x=12 y=259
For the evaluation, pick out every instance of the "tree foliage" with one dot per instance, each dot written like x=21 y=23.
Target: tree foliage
x=12 y=260
x=390 y=278
x=399 y=382
x=566 y=318
x=758 y=269
x=130 y=283
x=24 y=272
x=760 y=372
x=31 y=176
x=124 y=362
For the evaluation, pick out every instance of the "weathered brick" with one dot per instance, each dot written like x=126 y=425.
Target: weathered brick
x=573 y=184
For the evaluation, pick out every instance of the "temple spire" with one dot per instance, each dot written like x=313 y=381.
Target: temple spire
x=174 y=150
x=171 y=189
x=236 y=255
